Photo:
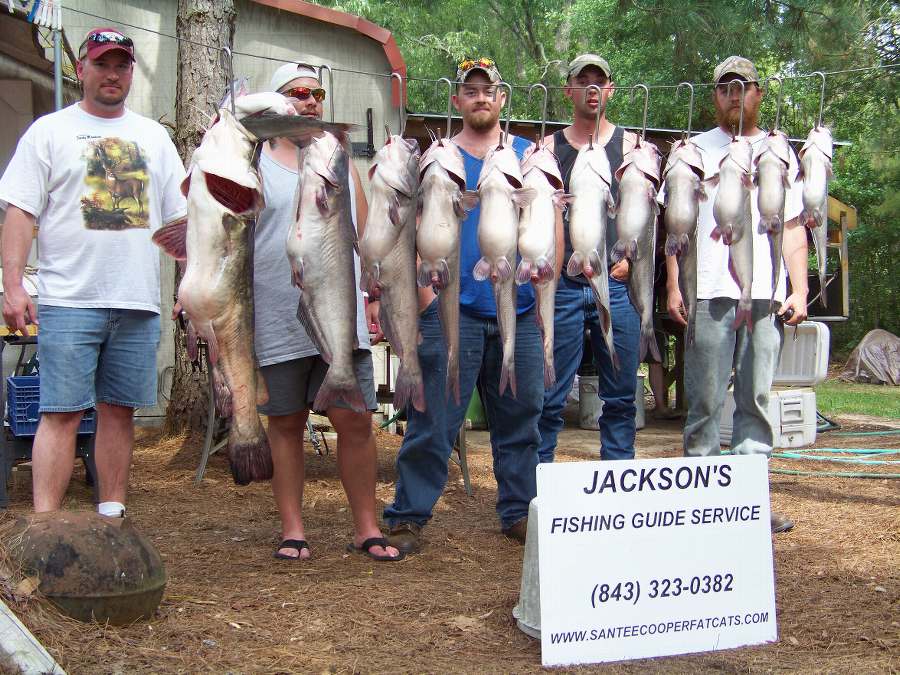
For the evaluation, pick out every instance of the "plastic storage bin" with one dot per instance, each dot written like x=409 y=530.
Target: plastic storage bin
x=804 y=360
x=23 y=395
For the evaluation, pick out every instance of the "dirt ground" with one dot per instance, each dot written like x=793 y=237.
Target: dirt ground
x=230 y=607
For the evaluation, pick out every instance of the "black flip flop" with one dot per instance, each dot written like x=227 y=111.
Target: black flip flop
x=368 y=544
x=296 y=544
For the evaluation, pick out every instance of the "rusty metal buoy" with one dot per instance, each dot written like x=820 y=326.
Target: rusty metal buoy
x=92 y=567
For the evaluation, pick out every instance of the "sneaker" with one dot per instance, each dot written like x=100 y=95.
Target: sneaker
x=406 y=537
x=781 y=523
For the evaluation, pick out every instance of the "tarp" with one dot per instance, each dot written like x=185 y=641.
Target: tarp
x=876 y=360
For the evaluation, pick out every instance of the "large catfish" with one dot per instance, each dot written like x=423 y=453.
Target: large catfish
x=537 y=243
x=683 y=178
x=224 y=196
x=388 y=257
x=772 y=183
x=590 y=183
x=815 y=172
x=320 y=248
x=733 y=215
x=636 y=213
x=443 y=202
x=502 y=194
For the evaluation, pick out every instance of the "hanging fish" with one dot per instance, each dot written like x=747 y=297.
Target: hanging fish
x=772 y=182
x=815 y=172
x=387 y=254
x=733 y=216
x=636 y=213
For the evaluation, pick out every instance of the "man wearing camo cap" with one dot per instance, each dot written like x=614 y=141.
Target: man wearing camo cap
x=717 y=344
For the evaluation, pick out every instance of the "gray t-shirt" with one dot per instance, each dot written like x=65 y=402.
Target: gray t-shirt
x=278 y=333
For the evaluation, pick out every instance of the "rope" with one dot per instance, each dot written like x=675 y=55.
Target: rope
x=835 y=474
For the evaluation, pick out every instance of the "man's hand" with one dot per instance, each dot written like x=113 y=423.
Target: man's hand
x=18 y=309
x=620 y=270
x=373 y=310
x=797 y=303
x=675 y=306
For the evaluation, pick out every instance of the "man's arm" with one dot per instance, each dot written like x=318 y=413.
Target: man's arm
x=675 y=302
x=18 y=231
x=795 y=254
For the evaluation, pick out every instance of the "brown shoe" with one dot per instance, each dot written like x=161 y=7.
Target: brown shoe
x=781 y=523
x=406 y=537
x=517 y=531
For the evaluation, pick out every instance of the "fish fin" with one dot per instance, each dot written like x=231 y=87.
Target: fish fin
x=507 y=380
x=172 y=238
x=409 y=389
x=394 y=211
x=453 y=385
x=372 y=171
x=262 y=391
x=388 y=329
x=523 y=196
x=331 y=392
x=712 y=181
x=672 y=245
x=504 y=269
x=611 y=207
x=190 y=342
x=732 y=271
x=443 y=274
x=250 y=459
x=576 y=264
x=549 y=373
x=828 y=171
x=523 y=272
x=469 y=200
x=747 y=181
x=221 y=393
x=799 y=176
x=562 y=199
x=322 y=200
x=311 y=326
x=482 y=270
x=689 y=333
x=545 y=271
x=233 y=196
x=701 y=192
x=423 y=276
x=619 y=251
x=785 y=180
x=212 y=345
x=595 y=261
x=755 y=178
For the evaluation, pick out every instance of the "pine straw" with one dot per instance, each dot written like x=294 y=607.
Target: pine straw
x=230 y=607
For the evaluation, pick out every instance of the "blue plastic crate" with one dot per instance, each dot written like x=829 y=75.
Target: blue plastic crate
x=23 y=397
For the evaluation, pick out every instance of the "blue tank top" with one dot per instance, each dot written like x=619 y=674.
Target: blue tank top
x=477 y=297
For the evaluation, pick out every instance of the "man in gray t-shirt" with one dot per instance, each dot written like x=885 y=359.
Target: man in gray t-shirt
x=289 y=361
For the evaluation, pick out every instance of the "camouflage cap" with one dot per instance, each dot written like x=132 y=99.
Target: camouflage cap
x=736 y=65
x=484 y=64
x=581 y=62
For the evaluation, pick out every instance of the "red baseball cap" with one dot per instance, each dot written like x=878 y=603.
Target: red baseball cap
x=102 y=40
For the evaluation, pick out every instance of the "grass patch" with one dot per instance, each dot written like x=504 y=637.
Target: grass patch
x=834 y=397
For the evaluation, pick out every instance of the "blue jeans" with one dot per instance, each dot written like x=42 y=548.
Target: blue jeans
x=422 y=461
x=92 y=355
x=575 y=311
x=707 y=365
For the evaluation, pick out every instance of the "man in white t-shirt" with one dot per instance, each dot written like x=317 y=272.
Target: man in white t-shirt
x=718 y=346
x=97 y=180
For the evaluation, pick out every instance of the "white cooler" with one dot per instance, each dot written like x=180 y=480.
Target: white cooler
x=792 y=401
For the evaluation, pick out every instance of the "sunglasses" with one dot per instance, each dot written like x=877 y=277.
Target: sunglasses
x=468 y=64
x=302 y=93
x=107 y=37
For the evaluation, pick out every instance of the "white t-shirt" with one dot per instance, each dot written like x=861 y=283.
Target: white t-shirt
x=713 y=278
x=99 y=189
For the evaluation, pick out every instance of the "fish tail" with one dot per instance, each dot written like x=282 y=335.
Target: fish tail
x=409 y=389
x=523 y=272
x=689 y=333
x=482 y=270
x=549 y=370
x=331 y=391
x=508 y=378
x=823 y=295
x=648 y=343
x=250 y=458
x=453 y=381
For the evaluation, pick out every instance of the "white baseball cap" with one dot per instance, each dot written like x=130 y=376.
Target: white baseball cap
x=291 y=71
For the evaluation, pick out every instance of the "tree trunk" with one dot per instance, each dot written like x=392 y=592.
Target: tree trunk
x=201 y=83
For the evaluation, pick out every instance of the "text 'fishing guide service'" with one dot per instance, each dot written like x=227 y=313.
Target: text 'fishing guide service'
x=654 y=557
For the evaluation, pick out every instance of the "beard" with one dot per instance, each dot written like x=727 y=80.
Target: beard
x=482 y=120
x=112 y=98
x=730 y=118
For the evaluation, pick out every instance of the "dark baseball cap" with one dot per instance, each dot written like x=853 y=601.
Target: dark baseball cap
x=102 y=40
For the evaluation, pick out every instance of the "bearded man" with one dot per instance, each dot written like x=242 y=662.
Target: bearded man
x=422 y=461
x=718 y=346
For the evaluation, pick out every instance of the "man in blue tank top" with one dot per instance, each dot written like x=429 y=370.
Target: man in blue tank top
x=425 y=453
x=575 y=308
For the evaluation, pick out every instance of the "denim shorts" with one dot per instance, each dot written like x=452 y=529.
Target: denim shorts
x=293 y=385
x=89 y=356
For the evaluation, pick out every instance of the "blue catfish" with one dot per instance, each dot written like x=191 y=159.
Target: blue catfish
x=815 y=172
x=772 y=182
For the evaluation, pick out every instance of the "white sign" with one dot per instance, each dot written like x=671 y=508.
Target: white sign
x=654 y=557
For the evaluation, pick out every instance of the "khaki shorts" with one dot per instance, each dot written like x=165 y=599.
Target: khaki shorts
x=293 y=385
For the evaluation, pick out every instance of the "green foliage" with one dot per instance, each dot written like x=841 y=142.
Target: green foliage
x=834 y=397
x=663 y=42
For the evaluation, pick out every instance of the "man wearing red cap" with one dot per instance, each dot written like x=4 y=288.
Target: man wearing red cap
x=97 y=180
